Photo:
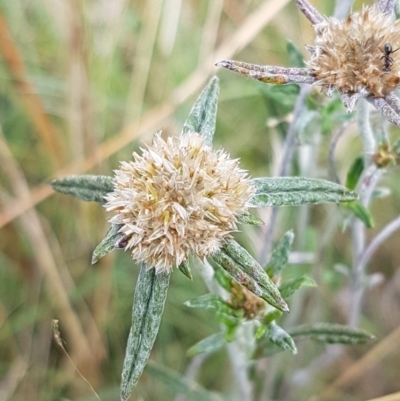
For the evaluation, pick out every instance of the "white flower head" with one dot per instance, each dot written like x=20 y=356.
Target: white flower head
x=179 y=197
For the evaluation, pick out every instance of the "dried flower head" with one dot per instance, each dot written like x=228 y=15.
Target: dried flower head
x=358 y=57
x=179 y=196
x=359 y=54
x=244 y=300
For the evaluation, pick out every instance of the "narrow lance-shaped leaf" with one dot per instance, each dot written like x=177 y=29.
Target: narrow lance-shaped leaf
x=223 y=278
x=355 y=171
x=203 y=115
x=332 y=333
x=247 y=218
x=208 y=345
x=211 y=301
x=90 y=188
x=148 y=306
x=281 y=338
x=294 y=191
x=227 y=315
x=271 y=295
x=111 y=241
x=295 y=55
x=288 y=288
x=185 y=269
x=280 y=254
x=250 y=266
x=266 y=321
x=361 y=212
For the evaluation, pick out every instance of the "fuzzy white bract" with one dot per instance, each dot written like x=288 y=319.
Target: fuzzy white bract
x=179 y=197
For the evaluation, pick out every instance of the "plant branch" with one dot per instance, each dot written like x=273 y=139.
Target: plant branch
x=309 y=11
x=288 y=150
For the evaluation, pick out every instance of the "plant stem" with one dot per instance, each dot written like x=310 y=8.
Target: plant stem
x=367 y=184
x=284 y=168
x=241 y=348
x=342 y=9
x=367 y=136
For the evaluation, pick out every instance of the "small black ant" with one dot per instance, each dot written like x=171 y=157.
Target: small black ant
x=388 y=61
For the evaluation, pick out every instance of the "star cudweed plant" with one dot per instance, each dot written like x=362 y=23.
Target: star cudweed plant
x=180 y=198
x=358 y=57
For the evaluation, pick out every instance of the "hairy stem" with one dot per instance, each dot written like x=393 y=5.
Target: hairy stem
x=386 y=6
x=367 y=184
x=288 y=150
x=240 y=349
x=309 y=11
x=342 y=9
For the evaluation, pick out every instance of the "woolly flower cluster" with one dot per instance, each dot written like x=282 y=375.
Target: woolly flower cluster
x=179 y=197
x=351 y=55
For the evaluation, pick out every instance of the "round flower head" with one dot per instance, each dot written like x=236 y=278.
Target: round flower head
x=359 y=54
x=359 y=57
x=179 y=196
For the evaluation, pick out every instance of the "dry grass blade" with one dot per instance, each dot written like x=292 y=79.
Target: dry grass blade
x=26 y=90
x=143 y=57
x=80 y=108
x=13 y=377
x=389 y=397
x=81 y=347
x=59 y=341
x=153 y=119
x=211 y=27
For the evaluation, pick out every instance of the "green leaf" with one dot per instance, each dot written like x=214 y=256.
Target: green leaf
x=148 y=306
x=261 y=330
x=250 y=267
x=270 y=295
x=207 y=345
x=361 y=212
x=332 y=333
x=381 y=193
x=203 y=116
x=280 y=99
x=211 y=301
x=179 y=384
x=295 y=55
x=294 y=191
x=108 y=243
x=231 y=331
x=266 y=321
x=280 y=254
x=271 y=316
x=354 y=174
x=223 y=278
x=225 y=314
x=90 y=188
x=185 y=269
x=265 y=348
x=230 y=321
x=288 y=288
x=281 y=338
x=248 y=218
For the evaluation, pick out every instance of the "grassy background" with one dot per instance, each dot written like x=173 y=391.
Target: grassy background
x=82 y=84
